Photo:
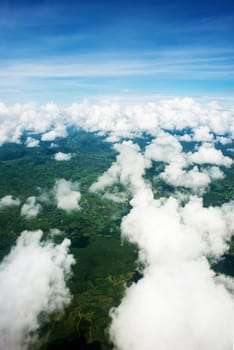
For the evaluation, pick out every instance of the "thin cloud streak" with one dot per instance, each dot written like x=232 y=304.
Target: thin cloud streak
x=171 y=63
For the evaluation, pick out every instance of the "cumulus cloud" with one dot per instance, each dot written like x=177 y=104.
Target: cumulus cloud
x=195 y=179
x=166 y=148
x=202 y=133
x=60 y=156
x=175 y=175
x=207 y=154
x=67 y=195
x=182 y=169
x=179 y=303
x=223 y=140
x=18 y=118
x=33 y=281
x=118 y=118
x=134 y=166
x=177 y=308
x=31 y=142
x=214 y=172
x=58 y=131
x=64 y=194
x=185 y=138
x=30 y=209
x=126 y=120
x=9 y=201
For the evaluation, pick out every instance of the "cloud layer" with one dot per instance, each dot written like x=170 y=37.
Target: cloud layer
x=179 y=303
x=33 y=281
x=118 y=119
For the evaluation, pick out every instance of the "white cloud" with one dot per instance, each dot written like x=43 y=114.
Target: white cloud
x=31 y=142
x=185 y=138
x=55 y=232
x=29 y=117
x=207 y=154
x=171 y=114
x=58 y=131
x=9 y=201
x=176 y=176
x=117 y=197
x=60 y=156
x=179 y=303
x=67 y=195
x=166 y=148
x=223 y=140
x=33 y=281
x=180 y=170
x=117 y=117
x=134 y=167
x=202 y=133
x=179 y=63
x=30 y=208
x=214 y=172
x=175 y=307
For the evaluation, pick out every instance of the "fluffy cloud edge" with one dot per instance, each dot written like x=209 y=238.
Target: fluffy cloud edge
x=33 y=276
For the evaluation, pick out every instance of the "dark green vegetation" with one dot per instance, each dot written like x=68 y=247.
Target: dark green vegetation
x=103 y=265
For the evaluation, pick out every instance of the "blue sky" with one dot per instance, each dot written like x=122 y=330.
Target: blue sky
x=69 y=50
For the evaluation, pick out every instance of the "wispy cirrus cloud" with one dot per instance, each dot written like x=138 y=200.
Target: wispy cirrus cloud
x=89 y=74
x=188 y=62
